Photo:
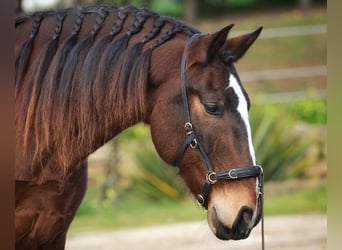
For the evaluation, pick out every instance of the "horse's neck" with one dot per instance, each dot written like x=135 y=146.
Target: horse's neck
x=163 y=76
x=108 y=114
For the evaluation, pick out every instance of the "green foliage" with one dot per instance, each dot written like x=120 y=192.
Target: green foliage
x=137 y=3
x=150 y=177
x=154 y=179
x=283 y=149
x=310 y=111
x=298 y=53
x=133 y=211
x=168 y=7
x=88 y=205
x=242 y=3
x=306 y=201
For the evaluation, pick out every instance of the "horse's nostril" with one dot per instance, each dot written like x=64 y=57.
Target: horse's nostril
x=241 y=226
x=222 y=232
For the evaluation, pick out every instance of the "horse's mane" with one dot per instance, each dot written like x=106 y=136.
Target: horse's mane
x=67 y=88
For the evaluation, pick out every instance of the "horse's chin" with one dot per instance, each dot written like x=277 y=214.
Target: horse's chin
x=222 y=235
x=227 y=234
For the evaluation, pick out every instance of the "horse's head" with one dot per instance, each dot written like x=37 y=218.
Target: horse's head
x=215 y=136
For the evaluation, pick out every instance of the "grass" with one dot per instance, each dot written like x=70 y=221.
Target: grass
x=268 y=19
x=285 y=52
x=312 y=200
x=132 y=212
x=281 y=52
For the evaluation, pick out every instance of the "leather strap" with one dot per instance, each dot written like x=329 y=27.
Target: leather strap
x=239 y=173
x=183 y=78
x=183 y=148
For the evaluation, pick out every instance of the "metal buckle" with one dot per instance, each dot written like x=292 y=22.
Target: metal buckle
x=258 y=188
x=260 y=182
x=232 y=174
x=188 y=128
x=200 y=200
x=261 y=170
x=193 y=143
x=211 y=177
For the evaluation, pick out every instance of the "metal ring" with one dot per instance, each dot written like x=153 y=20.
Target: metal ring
x=188 y=128
x=211 y=177
x=232 y=174
x=261 y=170
x=259 y=193
x=193 y=143
x=200 y=200
x=259 y=187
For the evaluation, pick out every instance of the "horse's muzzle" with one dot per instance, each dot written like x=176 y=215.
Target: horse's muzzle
x=241 y=228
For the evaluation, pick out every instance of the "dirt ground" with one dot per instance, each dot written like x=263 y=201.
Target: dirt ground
x=300 y=232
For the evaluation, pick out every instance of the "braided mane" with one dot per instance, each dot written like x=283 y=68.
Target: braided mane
x=82 y=73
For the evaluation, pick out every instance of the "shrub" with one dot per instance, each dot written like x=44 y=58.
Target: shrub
x=282 y=149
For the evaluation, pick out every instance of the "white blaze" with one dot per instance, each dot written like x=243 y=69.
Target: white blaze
x=243 y=110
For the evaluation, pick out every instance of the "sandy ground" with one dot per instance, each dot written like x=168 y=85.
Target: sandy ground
x=300 y=232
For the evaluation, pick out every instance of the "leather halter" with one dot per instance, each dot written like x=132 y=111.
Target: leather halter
x=192 y=141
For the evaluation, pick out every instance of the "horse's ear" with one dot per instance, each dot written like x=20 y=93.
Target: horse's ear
x=218 y=40
x=240 y=44
x=206 y=47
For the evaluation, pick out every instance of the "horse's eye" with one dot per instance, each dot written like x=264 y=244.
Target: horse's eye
x=214 y=109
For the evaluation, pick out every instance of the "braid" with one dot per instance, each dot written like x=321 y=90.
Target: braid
x=140 y=18
x=158 y=24
x=51 y=47
x=120 y=19
x=177 y=27
x=106 y=55
x=59 y=23
x=43 y=68
x=67 y=46
x=78 y=22
x=103 y=12
x=168 y=35
x=24 y=53
x=114 y=50
x=22 y=65
x=36 y=24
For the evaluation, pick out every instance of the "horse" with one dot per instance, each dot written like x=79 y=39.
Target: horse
x=84 y=74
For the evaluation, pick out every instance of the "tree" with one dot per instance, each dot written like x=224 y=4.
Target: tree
x=109 y=189
x=190 y=10
x=305 y=4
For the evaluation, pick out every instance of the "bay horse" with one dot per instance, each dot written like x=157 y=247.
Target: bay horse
x=83 y=75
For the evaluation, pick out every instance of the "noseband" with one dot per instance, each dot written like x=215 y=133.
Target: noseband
x=212 y=177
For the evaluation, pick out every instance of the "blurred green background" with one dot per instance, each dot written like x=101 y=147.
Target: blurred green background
x=285 y=75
